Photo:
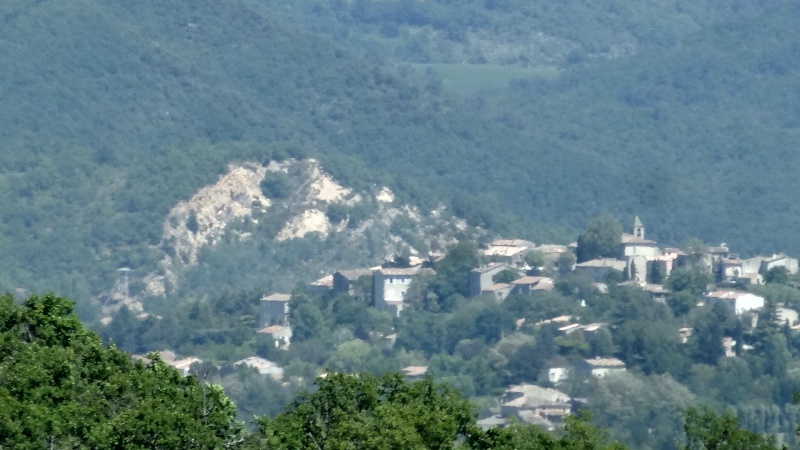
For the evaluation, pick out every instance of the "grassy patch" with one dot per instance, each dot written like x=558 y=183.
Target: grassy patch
x=469 y=79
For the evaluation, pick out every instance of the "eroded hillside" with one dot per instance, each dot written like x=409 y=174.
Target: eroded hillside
x=271 y=207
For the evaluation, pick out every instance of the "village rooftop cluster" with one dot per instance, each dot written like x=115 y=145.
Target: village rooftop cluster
x=639 y=261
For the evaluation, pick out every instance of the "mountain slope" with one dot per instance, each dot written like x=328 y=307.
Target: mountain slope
x=104 y=128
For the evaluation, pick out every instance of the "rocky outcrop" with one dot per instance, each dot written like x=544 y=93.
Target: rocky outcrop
x=235 y=208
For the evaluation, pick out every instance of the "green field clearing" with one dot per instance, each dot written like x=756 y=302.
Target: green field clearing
x=469 y=79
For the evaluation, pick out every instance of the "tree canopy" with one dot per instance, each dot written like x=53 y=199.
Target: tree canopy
x=62 y=388
x=601 y=239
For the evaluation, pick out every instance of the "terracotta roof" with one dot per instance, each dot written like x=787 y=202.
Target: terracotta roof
x=272 y=329
x=497 y=287
x=276 y=298
x=544 y=285
x=354 y=274
x=326 y=281
x=528 y=280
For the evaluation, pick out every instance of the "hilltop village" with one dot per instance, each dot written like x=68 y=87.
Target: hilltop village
x=527 y=272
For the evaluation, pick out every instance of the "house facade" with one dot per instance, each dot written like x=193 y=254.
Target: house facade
x=481 y=279
x=739 y=302
x=390 y=286
x=343 y=280
x=598 y=269
x=274 y=309
x=601 y=367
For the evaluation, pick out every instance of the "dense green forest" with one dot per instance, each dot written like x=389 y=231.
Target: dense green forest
x=62 y=388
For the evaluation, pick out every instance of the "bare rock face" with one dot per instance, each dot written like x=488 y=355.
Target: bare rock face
x=311 y=201
x=204 y=219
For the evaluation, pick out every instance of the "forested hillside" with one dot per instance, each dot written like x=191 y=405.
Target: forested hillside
x=681 y=112
x=106 y=127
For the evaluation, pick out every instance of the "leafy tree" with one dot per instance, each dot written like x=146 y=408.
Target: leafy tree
x=692 y=280
x=709 y=327
x=697 y=250
x=707 y=431
x=601 y=239
x=601 y=343
x=777 y=275
x=506 y=276
x=62 y=388
x=565 y=262
x=362 y=411
x=644 y=411
x=534 y=258
x=307 y=320
x=681 y=302
x=276 y=185
x=452 y=272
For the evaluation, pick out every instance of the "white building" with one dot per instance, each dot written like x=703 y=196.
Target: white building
x=282 y=334
x=509 y=251
x=602 y=367
x=263 y=366
x=738 y=301
x=390 y=286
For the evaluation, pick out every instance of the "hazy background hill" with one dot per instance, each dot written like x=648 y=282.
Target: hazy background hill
x=113 y=112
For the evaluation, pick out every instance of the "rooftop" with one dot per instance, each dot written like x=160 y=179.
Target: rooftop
x=631 y=239
x=504 y=251
x=272 y=329
x=276 y=298
x=264 y=366
x=326 y=281
x=528 y=280
x=533 y=393
x=604 y=262
x=723 y=294
x=354 y=274
x=497 y=287
x=571 y=327
x=415 y=371
x=605 y=362
x=551 y=249
x=398 y=272
x=593 y=327
x=511 y=243
x=492 y=266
